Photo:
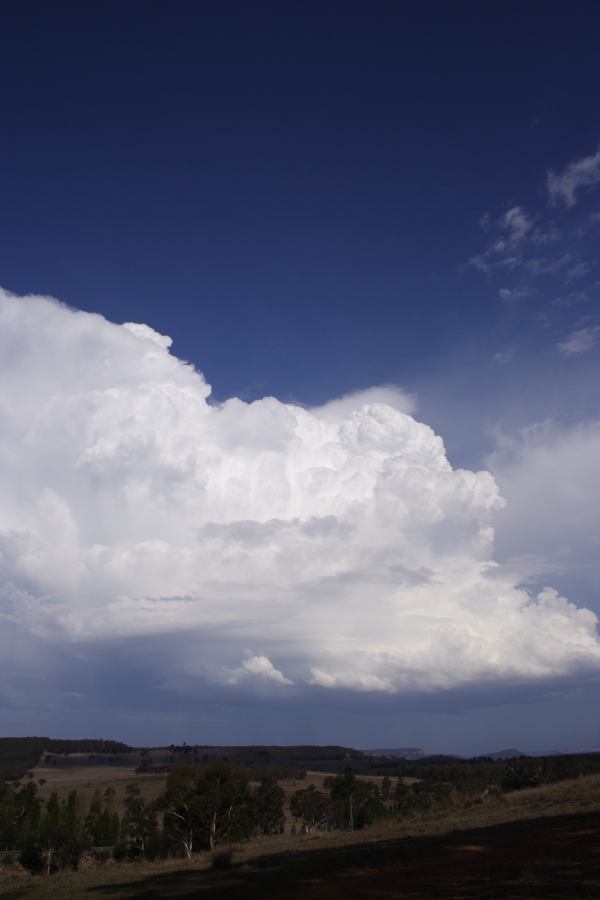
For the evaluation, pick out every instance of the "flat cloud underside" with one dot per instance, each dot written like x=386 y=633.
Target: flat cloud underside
x=332 y=547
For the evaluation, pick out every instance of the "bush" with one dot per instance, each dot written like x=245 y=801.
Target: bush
x=522 y=773
x=31 y=856
x=221 y=858
x=120 y=851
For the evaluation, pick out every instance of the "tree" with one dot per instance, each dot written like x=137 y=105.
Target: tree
x=179 y=803
x=268 y=802
x=8 y=818
x=139 y=823
x=62 y=833
x=22 y=810
x=386 y=787
x=522 y=773
x=92 y=821
x=50 y=833
x=311 y=807
x=75 y=838
x=225 y=804
x=354 y=803
x=19 y=816
x=343 y=793
x=403 y=798
x=209 y=805
x=28 y=807
x=102 y=821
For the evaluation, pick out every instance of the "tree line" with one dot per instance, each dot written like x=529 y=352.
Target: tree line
x=470 y=776
x=199 y=809
x=205 y=806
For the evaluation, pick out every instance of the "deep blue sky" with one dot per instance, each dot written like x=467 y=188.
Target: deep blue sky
x=296 y=192
x=271 y=182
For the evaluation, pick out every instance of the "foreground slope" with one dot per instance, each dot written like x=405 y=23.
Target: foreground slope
x=542 y=843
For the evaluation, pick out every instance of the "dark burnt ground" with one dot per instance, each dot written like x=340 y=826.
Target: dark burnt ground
x=546 y=858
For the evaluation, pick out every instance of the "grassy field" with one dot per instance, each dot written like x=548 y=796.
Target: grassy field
x=85 y=779
x=538 y=843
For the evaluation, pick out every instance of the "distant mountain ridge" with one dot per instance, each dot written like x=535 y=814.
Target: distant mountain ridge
x=502 y=754
x=561 y=751
x=398 y=752
x=565 y=751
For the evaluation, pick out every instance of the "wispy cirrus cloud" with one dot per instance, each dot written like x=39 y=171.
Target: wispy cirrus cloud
x=581 y=340
x=503 y=356
x=513 y=237
x=548 y=256
x=516 y=293
x=510 y=230
x=578 y=270
x=517 y=224
x=580 y=174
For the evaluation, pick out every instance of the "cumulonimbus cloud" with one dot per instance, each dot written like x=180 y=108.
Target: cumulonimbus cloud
x=338 y=543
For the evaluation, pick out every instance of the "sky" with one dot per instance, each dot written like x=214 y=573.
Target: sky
x=299 y=374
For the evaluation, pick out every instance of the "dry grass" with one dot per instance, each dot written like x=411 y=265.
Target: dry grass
x=85 y=779
x=77 y=885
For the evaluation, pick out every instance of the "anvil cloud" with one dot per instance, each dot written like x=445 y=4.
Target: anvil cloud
x=326 y=548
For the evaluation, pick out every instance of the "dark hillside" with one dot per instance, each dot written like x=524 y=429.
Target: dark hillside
x=19 y=754
x=279 y=762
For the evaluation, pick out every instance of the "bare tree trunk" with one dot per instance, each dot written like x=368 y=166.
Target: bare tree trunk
x=213 y=831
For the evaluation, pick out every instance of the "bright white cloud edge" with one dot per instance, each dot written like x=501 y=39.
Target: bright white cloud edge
x=339 y=540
